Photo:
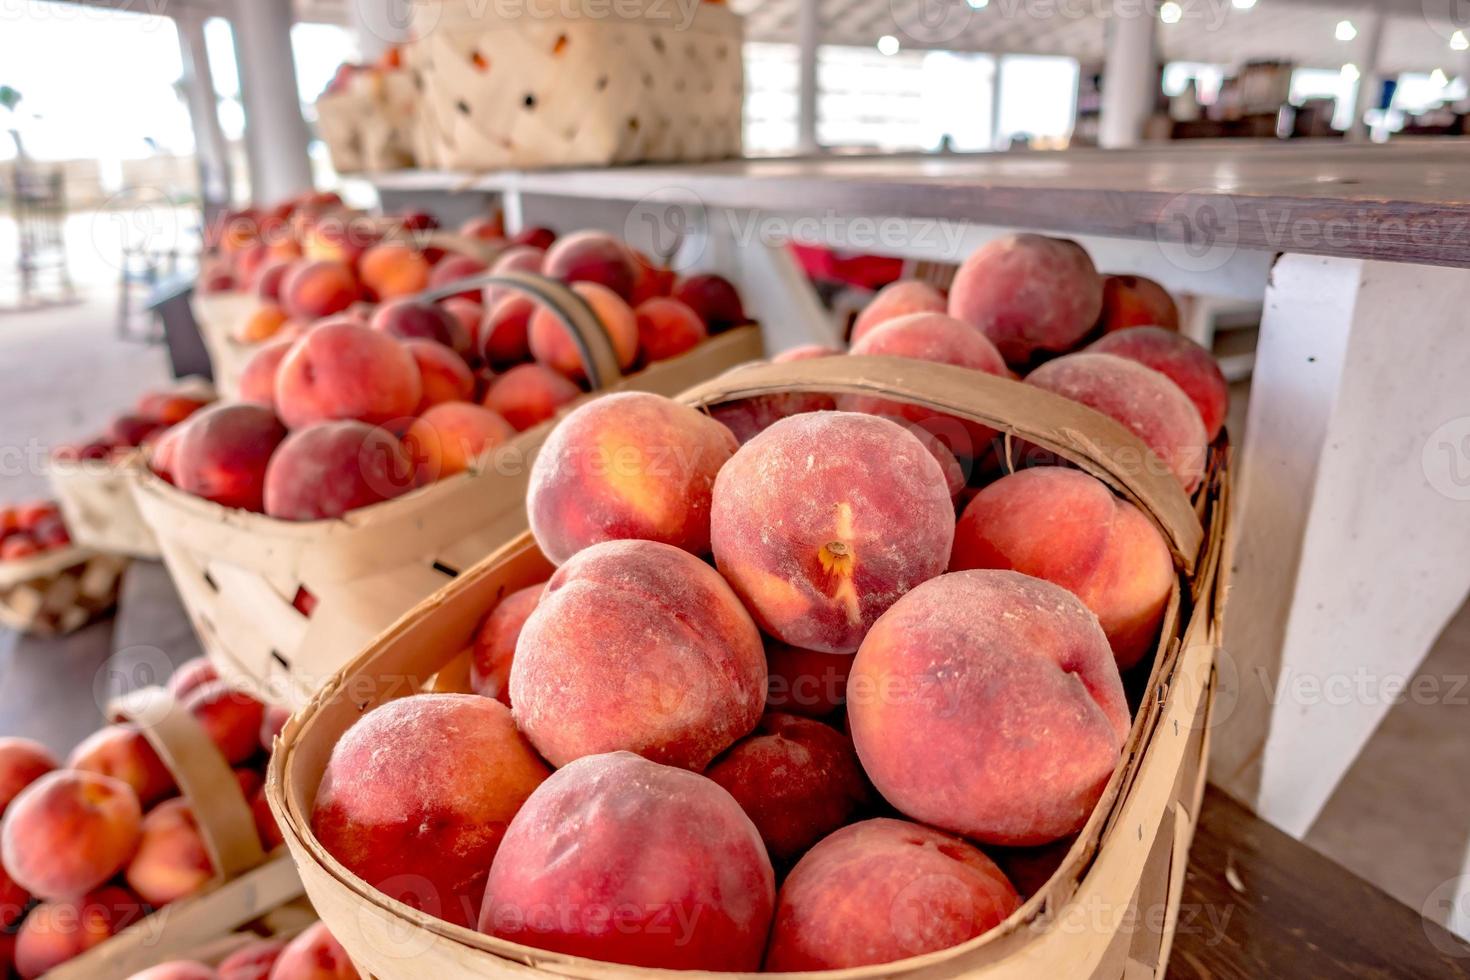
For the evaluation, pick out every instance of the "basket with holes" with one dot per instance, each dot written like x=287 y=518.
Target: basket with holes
x=587 y=83
x=281 y=605
x=253 y=893
x=369 y=121
x=59 y=592
x=1068 y=915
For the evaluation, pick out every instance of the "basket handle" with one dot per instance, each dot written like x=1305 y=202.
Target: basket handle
x=599 y=359
x=205 y=779
x=1093 y=441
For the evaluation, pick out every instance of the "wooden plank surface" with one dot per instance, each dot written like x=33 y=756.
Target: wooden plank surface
x=1408 y=201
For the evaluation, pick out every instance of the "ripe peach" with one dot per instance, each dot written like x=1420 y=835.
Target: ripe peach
x=325 y=470
x=409 y=319
x=132 y=430
x=312 y=290
x=823 y=521
x=261 y=325
x=637 y=645
x=230 y=717
x=170 y=407
x=343 y=371
x=529 y=394
x=987 y=703
x=258 y=378
x=61 y=930
x=884 y=890
x=623 y=860
x=1134 y=301
x=18 y=546
x=1145 y=401
x=542 y=238
x=797 y=779
x=22 y=762
x=495 y=643
x=14 y=901
x=954 y=472
x=172 y=861
x=487 y=228
x=667 y=328
x=651 y=279
x=417 y=794
x=445 y=375
x=177 y=970
x=749 y=417
x=265 y=821
x=627 y=465
x=504 y=335
x=450 y=438
x=314 y=955
x=469 y=314
x=271 y=278
x=1068 y=528
x=275 y=716
x=162 y=451
x=192 y=673
x=122 y=752
x=391 y=269
x=1028 y=293
x=592 y=256
x=902 y=297
x=68 y=832
x=223 y=452
x=551 y=343
x=252 y=962
x=809 y=683
x=453 y=268
x=1183 y=361
x=715 y=300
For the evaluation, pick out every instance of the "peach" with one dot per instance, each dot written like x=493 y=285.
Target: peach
x=177 y=970
x=797 y=779
x=170 y=407
x=417 y=794
x=1183 y=361
x=68 y=832
x=14 y=901
x=451 y=438
x=329 y=469
x=823 y=521
x=627 y=465
x=132 y=430
x=1068 y=528
x=542 y=238
x=341 y=370
x=884 y=890
x=222 y=454
x=314 y=955
x=452 y=268
x=954 y=472
x=270 y=280
x=409 y=319
x=172 y=861
x=261 y=325
x=486 y=228
x=445 y=375
x=714 y=298
x=469 y=314
x=987 y=703
x=61 y=930
x=338 y=238
x=22 y=762
x=623 y=860
x=252 y=962
x=749 y=417
x=312 y=290
x=809 y=683
x=249 y=262
x=517 y=258
x=19 y=546
x=637 y=645
x=529 y=394
x=258 y=377
x=495 y=643
x=274 y=719
x=1143 y=400
x=505 y=333
x=902 y=297
x=552 y=344
x=122 y=752
x=667 y=328
x=592 y=256
x=230 y=717
x=265 y=821
x=1134 y=301
x=192 y=673
x=391 y=269
x=651 y=280
x=1028 y=293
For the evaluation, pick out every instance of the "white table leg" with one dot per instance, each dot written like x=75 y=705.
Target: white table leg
x=1352 y=520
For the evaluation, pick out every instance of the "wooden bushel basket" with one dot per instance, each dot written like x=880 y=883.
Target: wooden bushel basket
x=242 y=576
x=1129 y=858
x=249 y=884
x=370 y=128
x=60 y=591
x=218 y=315
x=96 y=497
x=577 y=83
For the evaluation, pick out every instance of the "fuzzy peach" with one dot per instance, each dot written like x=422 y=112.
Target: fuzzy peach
x=445 y=375
x=222 y=454
x=504 y=334
x=452 y=268
x=469 y=314
x=69 y=832
x=341 y=370
x=122 y=752
x=714 y=298
x=253 y=961
x=172 y=861
x=258 y=378
x=1135 y=301
x=326 y=470
x=810 y=683
x=529 y=394
x=823 y=521
x=900 y=298
x=651 y=279
x=988 y=704
x=261 y=325
x=265 y=821
x=22 y=762
x=170 y=407
x=627 y=465
x=1183 y=361
x=314 y=955
x=749 y=417
x=494 y=646
x=417 y=794
x=61 y=930
x=450 y=438
x=270 y=280
x=177 y=970
x=551 y=342
x=230 y=717
x=623 y=860
x=312 y=290
x=667 y=328
x=517 y=258
x=409 y=319
x=592 y=256
x=391 y=269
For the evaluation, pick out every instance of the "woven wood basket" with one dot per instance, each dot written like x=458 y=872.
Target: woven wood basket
x=242 y=575
x=59 y=592
x=249 y=884
x=372 y=126
x=1131 y=854
x=218 y=315
x=579 y=82
x=96 y=497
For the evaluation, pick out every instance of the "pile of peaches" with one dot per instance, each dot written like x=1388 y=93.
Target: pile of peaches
x=154 y=415
x=352 y=403
x=92 y=846
x=31 y=529
x=313 y=955
x=817 y=683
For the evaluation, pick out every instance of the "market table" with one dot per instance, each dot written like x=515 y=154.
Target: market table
x=1351 y=517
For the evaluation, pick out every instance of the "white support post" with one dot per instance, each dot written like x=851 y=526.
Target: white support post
x=997 y=61
x=379 y=25
x=1370 y=76
x=1352 y=508
x=209 y=138
x=809 y=39
x=276 y=137
x=1130 y=78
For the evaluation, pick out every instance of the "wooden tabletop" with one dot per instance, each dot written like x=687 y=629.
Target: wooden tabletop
x=1407 y=201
